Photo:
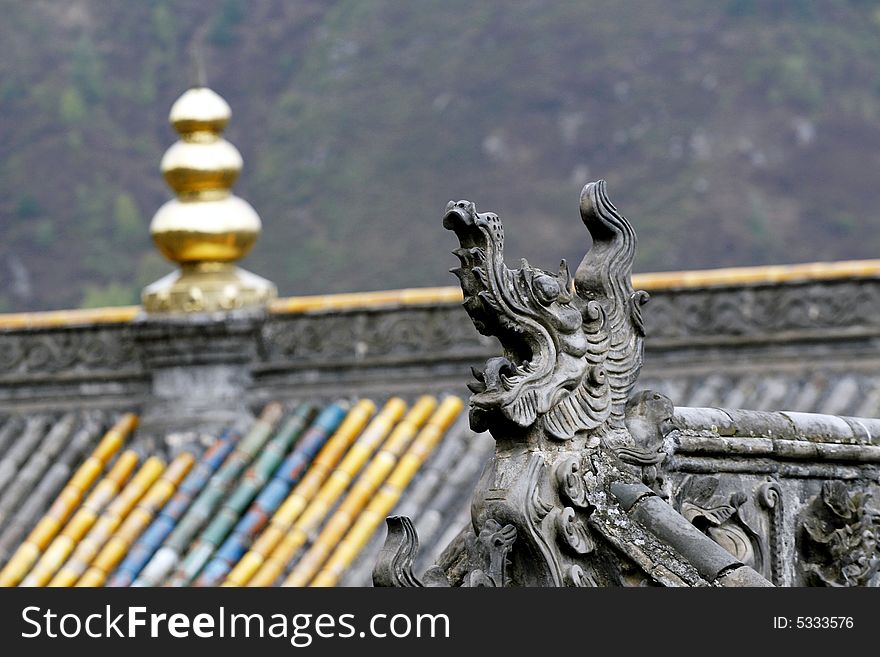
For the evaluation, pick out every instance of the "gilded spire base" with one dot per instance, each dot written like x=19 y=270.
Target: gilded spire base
x=207 y=287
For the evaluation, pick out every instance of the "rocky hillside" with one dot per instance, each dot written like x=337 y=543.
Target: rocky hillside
x=731 y=132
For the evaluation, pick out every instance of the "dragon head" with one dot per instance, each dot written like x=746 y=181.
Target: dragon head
x=554 y=341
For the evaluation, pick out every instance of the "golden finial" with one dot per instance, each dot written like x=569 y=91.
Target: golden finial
x=206 y=228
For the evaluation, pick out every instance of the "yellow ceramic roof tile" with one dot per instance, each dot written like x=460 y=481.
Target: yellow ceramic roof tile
x=82 y=521
x=285 y=545
x=298 y=499
x=49 y=319
x=383 y=500
x=136 y=521
x=756 y=275
x=66 y=502
x=106 y=525
x=369 y=481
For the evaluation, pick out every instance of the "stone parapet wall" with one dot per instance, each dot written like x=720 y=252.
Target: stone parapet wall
x=55 y=368
x=785 y=327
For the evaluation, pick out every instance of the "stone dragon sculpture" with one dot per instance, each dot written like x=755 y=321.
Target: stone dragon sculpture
x=573 y=347
x=570 y=440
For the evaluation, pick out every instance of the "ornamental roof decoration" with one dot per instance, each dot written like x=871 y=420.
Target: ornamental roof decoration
x=206 y=228
x=592 y=485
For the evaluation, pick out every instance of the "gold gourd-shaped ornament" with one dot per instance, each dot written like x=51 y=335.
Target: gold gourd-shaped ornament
x=206 y=228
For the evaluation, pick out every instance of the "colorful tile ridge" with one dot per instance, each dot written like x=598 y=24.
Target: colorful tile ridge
x=256 y=477
x=151 y=540
x=273 y=494
x=301 y=495
x=109 y=521
x=336 y=484
x=166 y=558
x=441 y=488
x=66 y=503
x=82 y=521
x=361 y=491
x=304 y=491
x=40 y=481
x=382 y=502
x=136 y=521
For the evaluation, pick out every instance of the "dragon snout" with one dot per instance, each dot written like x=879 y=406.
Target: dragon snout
x=459 y=215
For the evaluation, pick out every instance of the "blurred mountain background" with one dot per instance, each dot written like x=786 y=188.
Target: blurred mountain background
x=731 y=132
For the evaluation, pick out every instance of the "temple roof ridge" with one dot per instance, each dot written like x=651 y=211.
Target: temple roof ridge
x=671 y=280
